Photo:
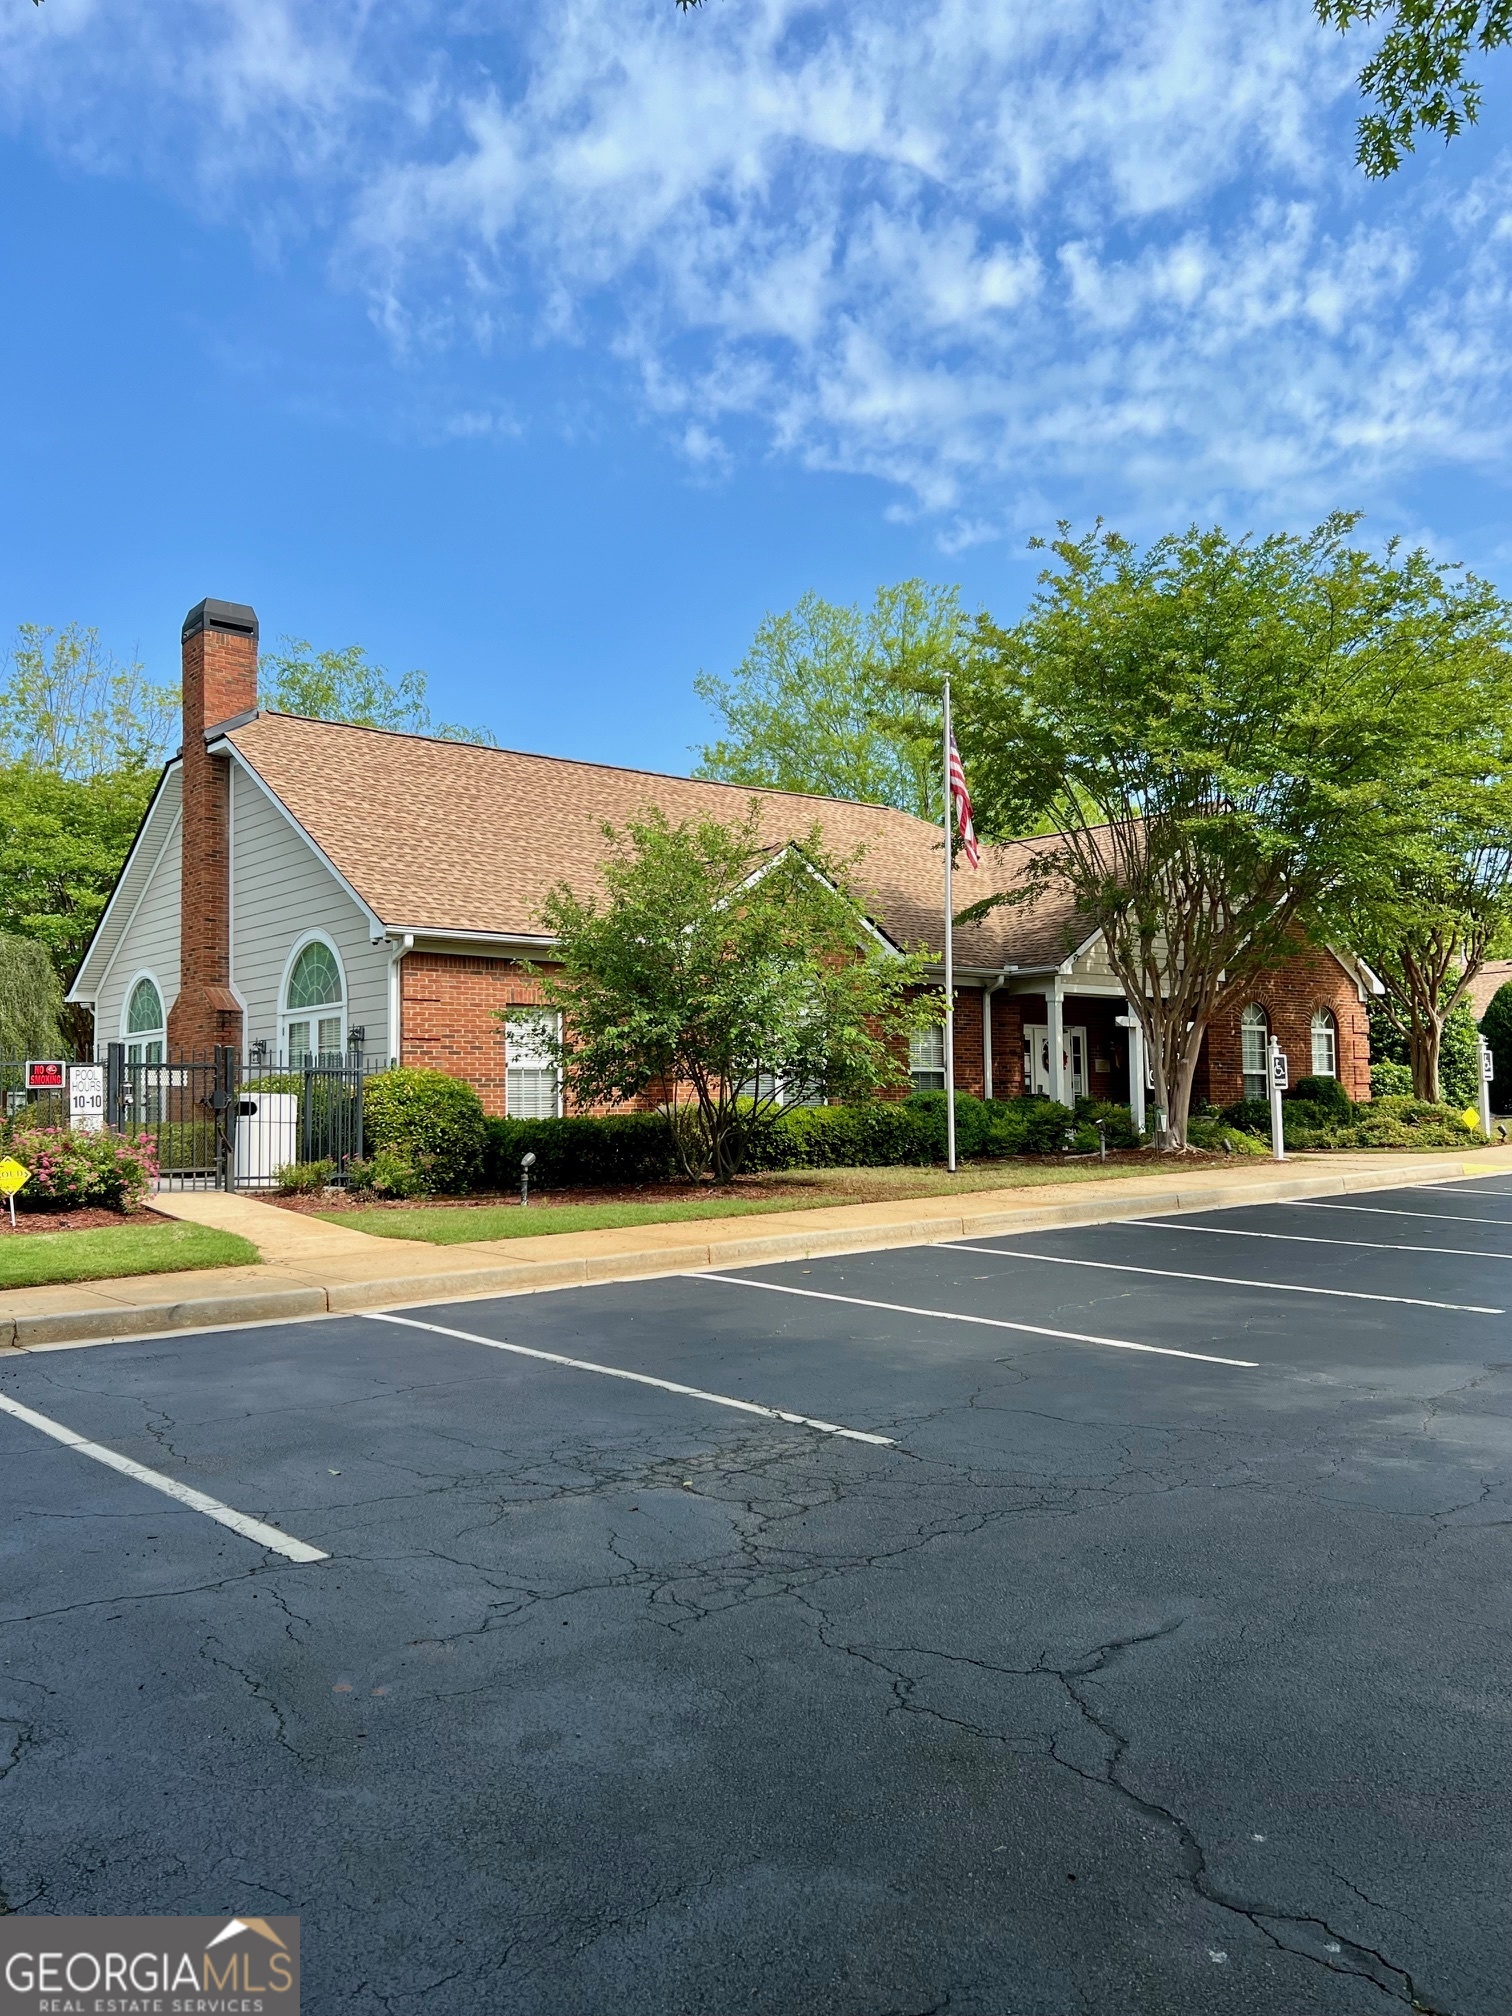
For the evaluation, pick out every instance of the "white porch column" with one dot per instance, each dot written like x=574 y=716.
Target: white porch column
x=1136 y=1068
x=987 y=994
x=1056 y=1033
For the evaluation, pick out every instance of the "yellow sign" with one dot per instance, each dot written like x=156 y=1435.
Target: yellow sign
x=1469 y=1118
x=12 y=1175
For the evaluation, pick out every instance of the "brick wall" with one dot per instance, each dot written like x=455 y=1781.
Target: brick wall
x=449 y=1007
x=450 y=1004
x=219 y=681
x=1309 y=979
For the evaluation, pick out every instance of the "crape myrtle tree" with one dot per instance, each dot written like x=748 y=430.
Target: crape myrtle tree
x=720 y=974
x=1224 y=737
x=1430 y=920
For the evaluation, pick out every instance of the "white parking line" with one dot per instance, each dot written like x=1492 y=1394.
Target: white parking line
x=1462 y=1188
x=1223 y=1280
x=990 y=1322
x=250 y=1529
x=1394 y=1211
x=1307 y=1239
x=642 y=1379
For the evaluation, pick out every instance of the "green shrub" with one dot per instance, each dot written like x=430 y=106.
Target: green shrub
x=389 y=1173
x=1117 y=1121
x=875 y=1133
x=433 y=1122
x=1217 y=1137
x=1249 y=1116
x=616 y=1148
x=305 y=1179
x=1326 y=1093
x=1388 y=1078
x=113 y=1171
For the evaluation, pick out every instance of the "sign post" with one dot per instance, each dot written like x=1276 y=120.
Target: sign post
x=1487 y=1073
x=1280 y=1078
x=86 y=1098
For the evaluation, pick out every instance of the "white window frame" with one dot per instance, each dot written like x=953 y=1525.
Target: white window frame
x=1325 y=1023
x=924 y=1046
x=526 y=1065
x=327 y=1011
x=138 y=1039
x=1261 y=1073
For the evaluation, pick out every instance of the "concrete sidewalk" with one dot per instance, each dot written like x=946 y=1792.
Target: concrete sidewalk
x=310 y=1267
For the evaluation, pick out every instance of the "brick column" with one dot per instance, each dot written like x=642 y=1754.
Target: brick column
x=220 y=683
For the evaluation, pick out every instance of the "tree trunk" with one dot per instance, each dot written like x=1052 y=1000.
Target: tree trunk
x=1423 y=1048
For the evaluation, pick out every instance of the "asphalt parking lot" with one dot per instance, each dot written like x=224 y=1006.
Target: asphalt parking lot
x=1102 y=1620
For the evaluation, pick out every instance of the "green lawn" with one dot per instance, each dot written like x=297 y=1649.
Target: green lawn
x=33 y=1259
x=459 y=1224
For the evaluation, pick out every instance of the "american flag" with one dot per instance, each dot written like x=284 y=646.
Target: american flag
x=971 y=854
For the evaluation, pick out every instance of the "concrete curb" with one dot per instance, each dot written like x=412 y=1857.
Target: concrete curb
x=751 y=1249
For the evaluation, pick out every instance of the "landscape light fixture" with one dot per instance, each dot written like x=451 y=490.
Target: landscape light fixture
x=527 y=1163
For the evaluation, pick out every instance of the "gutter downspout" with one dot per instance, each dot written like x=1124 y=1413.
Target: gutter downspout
x=396 y=995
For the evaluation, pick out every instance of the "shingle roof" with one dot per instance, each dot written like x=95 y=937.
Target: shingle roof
x=1493 y=975
x=452 y=837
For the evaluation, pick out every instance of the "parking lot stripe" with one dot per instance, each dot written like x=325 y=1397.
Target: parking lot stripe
x=642 y=1379
x=1225 y=1280
x=1395 y=1211
x=197 y=1501
x=990 y=1322
x=1312 y=1239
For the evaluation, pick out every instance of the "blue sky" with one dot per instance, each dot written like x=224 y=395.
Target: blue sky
x=547 y=349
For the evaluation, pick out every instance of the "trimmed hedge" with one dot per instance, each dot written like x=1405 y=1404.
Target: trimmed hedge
x=430 y=1123
x=876 y=1134
x=614 y=1148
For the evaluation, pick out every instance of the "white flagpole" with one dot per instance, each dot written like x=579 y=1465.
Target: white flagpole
x=950 y=1113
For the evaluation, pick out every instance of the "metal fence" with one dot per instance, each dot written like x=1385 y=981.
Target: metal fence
x=215 y=1121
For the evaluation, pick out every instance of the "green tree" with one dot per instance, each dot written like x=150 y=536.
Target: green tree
x=347 y=686
x=719 y=975
x=31 y=1000
x=62 y=841
x=1417 y=75
x=1225 y=737
x=1443 y=905
x=69 y=706
x=1496 y=1027
x=81 y=736
x=829 y=699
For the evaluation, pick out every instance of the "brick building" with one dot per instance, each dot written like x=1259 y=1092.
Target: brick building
x=300 y=887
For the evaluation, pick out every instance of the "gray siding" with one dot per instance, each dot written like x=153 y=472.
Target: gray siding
x=280 y=892
x=150 y=941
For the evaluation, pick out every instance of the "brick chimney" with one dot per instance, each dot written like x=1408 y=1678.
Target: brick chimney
x=220 y=687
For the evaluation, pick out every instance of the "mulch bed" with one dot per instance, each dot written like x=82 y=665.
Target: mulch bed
x=85 y=1218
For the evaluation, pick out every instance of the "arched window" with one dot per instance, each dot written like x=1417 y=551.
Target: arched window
x=1254 y=1044
x=1325 y=1044
x=145 y=1030
x=314 y=1017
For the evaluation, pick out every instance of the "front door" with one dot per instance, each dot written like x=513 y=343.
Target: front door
x=1037 y=1060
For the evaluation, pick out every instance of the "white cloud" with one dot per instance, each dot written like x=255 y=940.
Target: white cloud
x=989 y=255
